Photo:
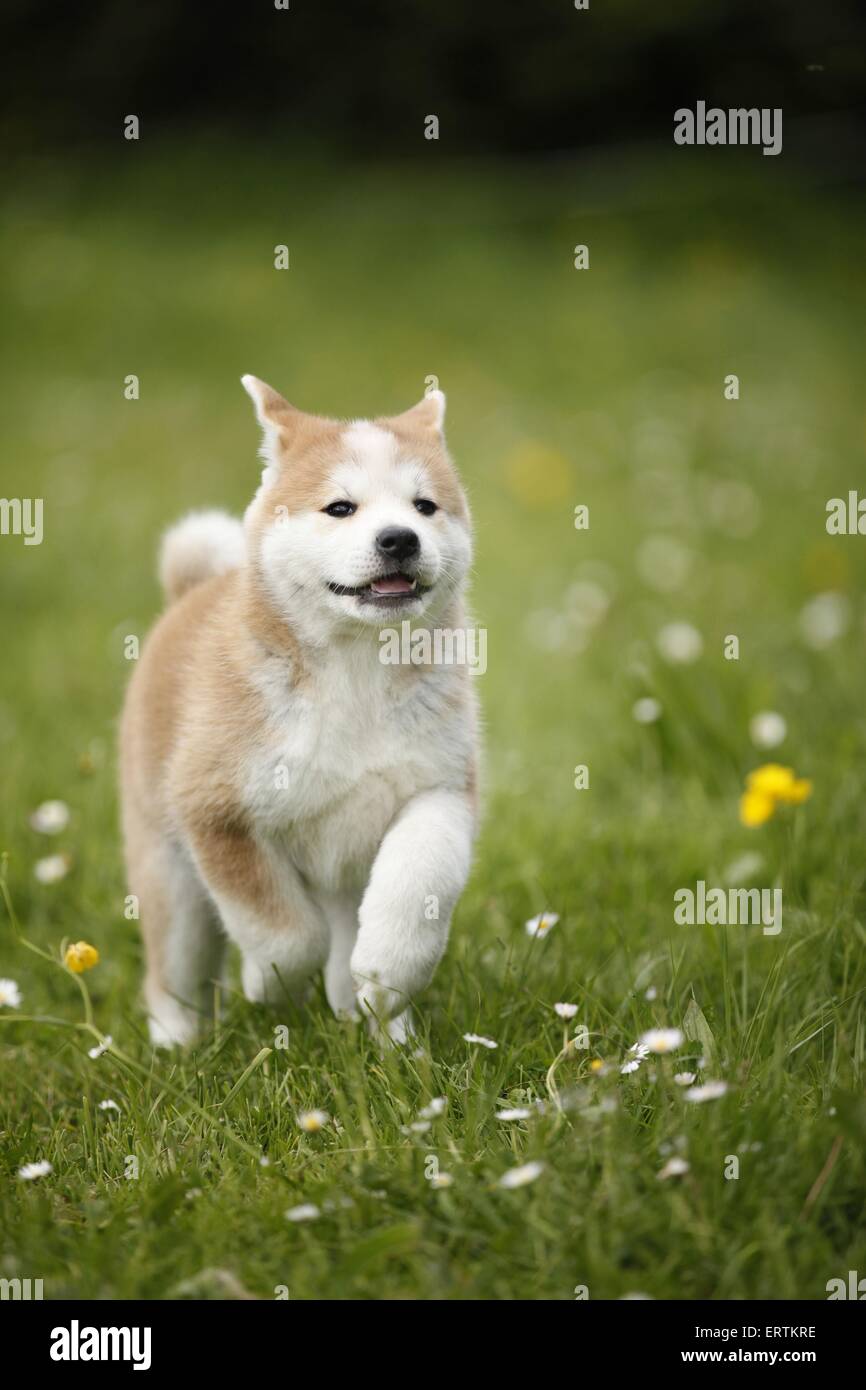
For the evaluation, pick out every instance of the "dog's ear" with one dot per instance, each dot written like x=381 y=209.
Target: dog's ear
x=269 y=404
x=275 y=415
x=427 y=416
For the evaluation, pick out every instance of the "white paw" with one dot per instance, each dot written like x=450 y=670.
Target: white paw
x=377 y=1002
x=171 y=1023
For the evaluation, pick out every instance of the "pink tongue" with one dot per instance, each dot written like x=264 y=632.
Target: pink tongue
x=393 y=584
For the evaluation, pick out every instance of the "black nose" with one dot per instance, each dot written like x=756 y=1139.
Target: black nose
x=398 y=543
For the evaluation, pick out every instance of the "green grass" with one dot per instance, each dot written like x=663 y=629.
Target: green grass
x=565 y=387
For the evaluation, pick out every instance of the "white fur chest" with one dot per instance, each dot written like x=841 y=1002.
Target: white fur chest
x=341 y=755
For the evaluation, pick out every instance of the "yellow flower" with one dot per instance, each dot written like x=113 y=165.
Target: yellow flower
x=756 y=808
x=768 y=785
x=81 y=956
x=799 y=791
x=771 y=780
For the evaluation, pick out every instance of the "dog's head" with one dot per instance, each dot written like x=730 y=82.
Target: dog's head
x=362 y=522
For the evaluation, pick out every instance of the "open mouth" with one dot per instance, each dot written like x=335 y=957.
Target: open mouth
x=387 y=588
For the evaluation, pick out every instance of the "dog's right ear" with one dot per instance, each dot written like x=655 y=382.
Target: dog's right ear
x=274 y=414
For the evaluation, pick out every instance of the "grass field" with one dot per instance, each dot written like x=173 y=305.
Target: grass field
x=601 y=388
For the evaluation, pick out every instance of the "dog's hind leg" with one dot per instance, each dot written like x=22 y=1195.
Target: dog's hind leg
x=265 y=907
x=183 y=941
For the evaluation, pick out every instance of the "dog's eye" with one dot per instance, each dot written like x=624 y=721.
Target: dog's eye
x=425 y=506
x=340 y=508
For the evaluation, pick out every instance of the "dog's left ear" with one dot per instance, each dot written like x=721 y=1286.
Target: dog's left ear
x=427 y=415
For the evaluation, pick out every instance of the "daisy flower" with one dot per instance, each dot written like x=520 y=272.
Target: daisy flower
x=101 y=1048
x=417 y=1127
x=631 y=1066
x=10 y=995
x=767 y=729
x=478 y=1038
x=50 y=818
x=565 y=1010
x=519 y=1177
x=311 y=1121
x=646 y=711
x=307 y=1211
x=442 y=1180
x=437 y=1106
x=52 y=869
x=674 y=1168
x=685 y=1078
x=661 y=1040
x=679 y=644
x=539 y=926
x=518 y=1113
x=109 y=1105
x=711 y=1090
x=40 y=1169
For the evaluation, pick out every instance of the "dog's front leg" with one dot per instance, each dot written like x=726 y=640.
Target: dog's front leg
x=416 y=879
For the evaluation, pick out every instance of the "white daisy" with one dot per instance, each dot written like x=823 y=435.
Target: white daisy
x=646 y=711
x=539 y=926
x=442 y=1180
x=685 y=1078
x=10 y=995
x=519 y=1177
x=767 y=729
x=662 y=1039
x=307 y=1211
x=824 y=619
x=628 y=1067
x=679 y=643
x=651 y=994
x=640 y=1050
x=101 y=1048
x=40 y=1169
x=437 y=1106
x=109 y=1105
x=674 y=1168
x=565 y=1010
x=50 y=818
x=52 y=869
x=744 y=867
x=477 y=1038
x=417 y=1127
x=311 y=1121
x=711 y=1090
x=518 y=1113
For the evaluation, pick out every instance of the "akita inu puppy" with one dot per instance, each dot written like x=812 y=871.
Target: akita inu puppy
x=280 y=783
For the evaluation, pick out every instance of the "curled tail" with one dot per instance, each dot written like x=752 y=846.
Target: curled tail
x=201 y=545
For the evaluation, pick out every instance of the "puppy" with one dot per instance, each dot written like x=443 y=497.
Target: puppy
x=281 y=785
